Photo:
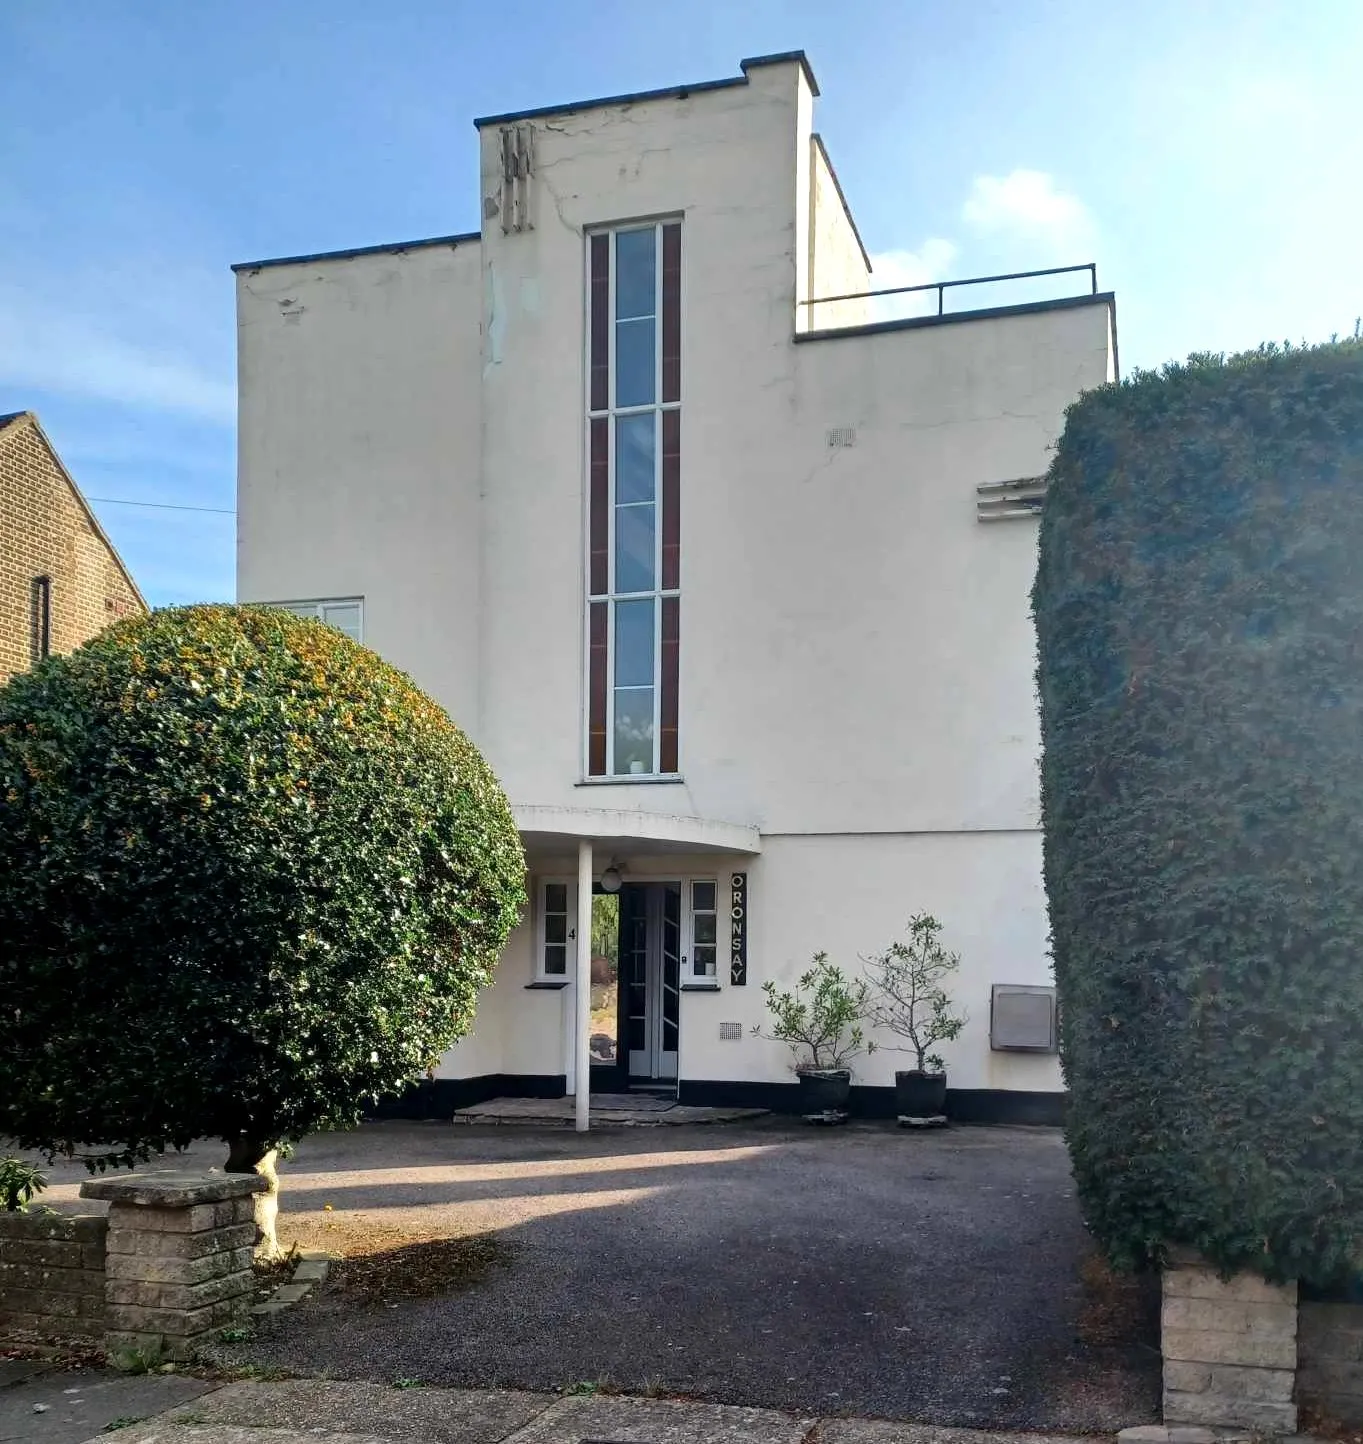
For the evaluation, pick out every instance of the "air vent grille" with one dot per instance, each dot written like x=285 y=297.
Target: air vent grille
x=1010 y=500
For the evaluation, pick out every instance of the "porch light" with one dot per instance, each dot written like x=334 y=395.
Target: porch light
x=611 y=880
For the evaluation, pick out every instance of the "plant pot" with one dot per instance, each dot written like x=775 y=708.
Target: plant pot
x=824 y=1092
x=920 y=1099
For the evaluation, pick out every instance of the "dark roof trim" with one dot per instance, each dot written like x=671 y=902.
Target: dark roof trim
x=992 y=313
x=11 y=416
x=782 y=57
x=846 y=209
x=671 y=92
x=395 y=247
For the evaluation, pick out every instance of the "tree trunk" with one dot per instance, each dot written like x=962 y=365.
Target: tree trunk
x=251 y=1155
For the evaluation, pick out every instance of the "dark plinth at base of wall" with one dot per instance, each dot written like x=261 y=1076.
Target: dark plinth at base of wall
x=964 y=1105
x=436 y=1098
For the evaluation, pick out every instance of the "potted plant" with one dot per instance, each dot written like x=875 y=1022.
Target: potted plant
x=910 y=1002
x=820 y=1018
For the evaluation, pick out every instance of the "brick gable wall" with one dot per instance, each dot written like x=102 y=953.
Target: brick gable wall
x=44 y=531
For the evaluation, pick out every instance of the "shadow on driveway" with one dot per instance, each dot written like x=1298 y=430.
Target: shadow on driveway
x=860 y=1270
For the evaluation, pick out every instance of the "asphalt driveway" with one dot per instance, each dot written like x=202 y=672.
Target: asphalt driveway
x=865 y=1270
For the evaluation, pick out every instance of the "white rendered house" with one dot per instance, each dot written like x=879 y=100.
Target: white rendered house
x=730 y=588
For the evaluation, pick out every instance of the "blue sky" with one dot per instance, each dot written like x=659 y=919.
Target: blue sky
x=1206 y=155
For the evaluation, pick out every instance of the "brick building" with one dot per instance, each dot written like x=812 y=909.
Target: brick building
x=61 y=581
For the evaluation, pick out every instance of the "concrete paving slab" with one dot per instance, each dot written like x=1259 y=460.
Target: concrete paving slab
x=659 y=1421
x=160 y=1431
x=422 y=1416
x=71 y=1405
x=885 y=1431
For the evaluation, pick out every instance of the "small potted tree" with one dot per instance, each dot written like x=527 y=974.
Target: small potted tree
x=908 y=1000
x=820 y=1018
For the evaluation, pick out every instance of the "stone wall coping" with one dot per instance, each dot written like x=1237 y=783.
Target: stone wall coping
x=171 y=1189
x=48 y=1224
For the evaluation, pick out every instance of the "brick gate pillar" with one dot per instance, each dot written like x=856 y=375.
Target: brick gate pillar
x=178 y=1258
x=1230 y=1349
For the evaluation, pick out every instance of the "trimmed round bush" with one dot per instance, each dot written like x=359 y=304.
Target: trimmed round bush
x=250 y=878
x=1199 y=608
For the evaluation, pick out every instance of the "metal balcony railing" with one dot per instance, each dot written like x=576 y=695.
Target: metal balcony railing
x=942 y=287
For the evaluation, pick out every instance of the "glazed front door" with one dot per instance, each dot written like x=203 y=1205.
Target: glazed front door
x=650 y=977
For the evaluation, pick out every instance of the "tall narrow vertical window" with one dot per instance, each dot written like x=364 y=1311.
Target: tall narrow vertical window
x=633 y=622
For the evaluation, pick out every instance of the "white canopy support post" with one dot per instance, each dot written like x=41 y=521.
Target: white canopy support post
x=582 y=1034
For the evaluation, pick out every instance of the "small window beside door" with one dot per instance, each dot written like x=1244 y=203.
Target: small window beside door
x=701 y=958
x=557 y=933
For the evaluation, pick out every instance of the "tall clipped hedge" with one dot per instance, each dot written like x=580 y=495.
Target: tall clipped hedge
x=1199 y=608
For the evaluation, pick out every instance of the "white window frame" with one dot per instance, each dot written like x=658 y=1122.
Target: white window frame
x=612 y=413
x=314 y=607
x=689 y=977
x=541 y=974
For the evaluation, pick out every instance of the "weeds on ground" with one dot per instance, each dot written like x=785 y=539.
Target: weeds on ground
x=122 y=1422
x=252 y=1373
x=586 y=1388
x=138 y=1361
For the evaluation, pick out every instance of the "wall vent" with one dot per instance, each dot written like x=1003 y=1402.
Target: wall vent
x=1010 y=500
x=730 y=1032
x=1022 y=1019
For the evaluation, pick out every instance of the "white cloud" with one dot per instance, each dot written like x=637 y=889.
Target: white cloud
x=1028 y=206
x=932 y=261
x=47 y=348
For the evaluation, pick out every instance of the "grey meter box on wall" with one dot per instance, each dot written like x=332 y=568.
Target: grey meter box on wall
x=1022 y=1019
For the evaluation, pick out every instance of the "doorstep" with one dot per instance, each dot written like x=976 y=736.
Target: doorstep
x=608 y=1110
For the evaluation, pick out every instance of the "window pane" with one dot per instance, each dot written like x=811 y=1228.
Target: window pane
x=634 y=450
x=705 y=927
x=703 y=896
x=635 y=273
x=635 y=356
x=703 y=961
x=344 y=617
x=556 y=927
x=634 y=549
x=634 y=730
x=556 y=960
x=634 y=644
x=556 y=897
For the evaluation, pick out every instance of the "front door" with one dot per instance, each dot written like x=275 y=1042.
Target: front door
x=650 y=978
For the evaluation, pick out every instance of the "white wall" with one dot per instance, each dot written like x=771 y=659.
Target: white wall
x=358 y=455
x=837 y=266
x=856 y=648
x=725 y=161
x=516 y=1030
x=847 y=896
x=857 y=654
x=851 y=897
